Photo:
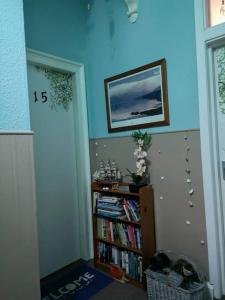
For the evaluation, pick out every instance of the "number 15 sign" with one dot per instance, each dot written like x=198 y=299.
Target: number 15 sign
x=41 y=96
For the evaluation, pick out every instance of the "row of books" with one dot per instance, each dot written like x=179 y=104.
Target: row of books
x=128 y=235
x=131 y=208
x=117 y=207
x=130 y=262
x=110 y=206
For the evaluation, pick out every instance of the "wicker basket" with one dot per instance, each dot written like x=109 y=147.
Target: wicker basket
x=159 y=289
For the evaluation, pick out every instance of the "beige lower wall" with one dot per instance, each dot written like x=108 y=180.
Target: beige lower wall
x=19 y=271
x=168 y=155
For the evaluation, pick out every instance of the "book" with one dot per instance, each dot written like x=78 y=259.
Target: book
x=127 y=212
x=132 y=236
x=95 y=197
x=111 y=231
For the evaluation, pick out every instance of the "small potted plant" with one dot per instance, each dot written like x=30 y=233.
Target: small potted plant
x=141 y=176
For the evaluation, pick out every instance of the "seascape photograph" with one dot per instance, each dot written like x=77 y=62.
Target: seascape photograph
x=136 y=96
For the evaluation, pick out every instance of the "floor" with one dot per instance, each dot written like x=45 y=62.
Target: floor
x=114 y=291
x=120 y=291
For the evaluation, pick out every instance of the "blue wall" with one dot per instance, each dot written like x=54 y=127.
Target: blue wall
x=56 y=27
x=163 y=30
x=14 y=111
x=108 y=44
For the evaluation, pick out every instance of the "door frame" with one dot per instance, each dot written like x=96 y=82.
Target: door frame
x=82 y=155
x=207 y=39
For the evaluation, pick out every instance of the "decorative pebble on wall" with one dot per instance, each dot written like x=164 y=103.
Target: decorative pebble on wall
x=161 y=177
x=191 y=192
x=190 y=203
x=190 y=189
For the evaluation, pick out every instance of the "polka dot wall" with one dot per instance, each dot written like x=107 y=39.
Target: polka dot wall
x=175 y=174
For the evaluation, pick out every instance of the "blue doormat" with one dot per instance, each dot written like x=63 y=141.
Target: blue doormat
x=78 y=283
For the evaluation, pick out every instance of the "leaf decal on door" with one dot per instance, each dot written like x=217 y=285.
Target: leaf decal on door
x=220 y=57
x=61 y=93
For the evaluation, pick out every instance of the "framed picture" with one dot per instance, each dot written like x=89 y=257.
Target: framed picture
x=137 y=98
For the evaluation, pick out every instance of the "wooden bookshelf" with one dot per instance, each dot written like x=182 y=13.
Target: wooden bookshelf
x=145 y=225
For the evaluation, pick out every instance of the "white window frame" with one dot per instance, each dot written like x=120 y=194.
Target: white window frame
x=207 y=39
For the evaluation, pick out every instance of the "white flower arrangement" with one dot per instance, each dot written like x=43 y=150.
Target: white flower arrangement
x=143 y=142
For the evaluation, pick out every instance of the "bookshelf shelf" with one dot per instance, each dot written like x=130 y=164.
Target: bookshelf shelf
x=119 y=220
x=137 y=232
x=119 y=245
x=106 y=268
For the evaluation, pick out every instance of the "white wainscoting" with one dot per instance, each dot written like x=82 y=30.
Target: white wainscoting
x=19 y=270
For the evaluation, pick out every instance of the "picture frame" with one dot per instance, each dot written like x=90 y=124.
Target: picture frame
x=137 y=98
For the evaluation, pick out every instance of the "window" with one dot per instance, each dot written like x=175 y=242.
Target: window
x=216 y=12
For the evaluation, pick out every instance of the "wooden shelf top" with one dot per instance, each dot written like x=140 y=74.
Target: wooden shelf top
x=119 y=245
x=117 y=192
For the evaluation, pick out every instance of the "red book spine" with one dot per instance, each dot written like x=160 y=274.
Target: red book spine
x=109 y=238
x=132 y=236
x=126 y=209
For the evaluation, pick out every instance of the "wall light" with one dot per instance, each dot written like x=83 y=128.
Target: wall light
x=132 y=11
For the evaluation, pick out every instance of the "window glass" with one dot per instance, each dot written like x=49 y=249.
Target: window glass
x=216 y=12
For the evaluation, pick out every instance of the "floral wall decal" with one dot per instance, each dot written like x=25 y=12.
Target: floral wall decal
x=220 y=57
x=61 y=93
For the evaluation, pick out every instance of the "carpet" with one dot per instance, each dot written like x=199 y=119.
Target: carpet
x=77 y=283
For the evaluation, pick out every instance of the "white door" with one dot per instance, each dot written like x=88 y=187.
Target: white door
x=52 y=120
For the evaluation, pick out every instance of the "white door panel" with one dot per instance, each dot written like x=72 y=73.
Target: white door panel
x=54 y=153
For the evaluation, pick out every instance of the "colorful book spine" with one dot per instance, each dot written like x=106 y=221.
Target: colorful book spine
x=130 y=262
x=132 y=236
x=127 y=235
x=125 y=207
